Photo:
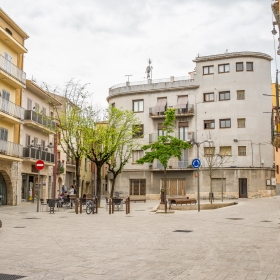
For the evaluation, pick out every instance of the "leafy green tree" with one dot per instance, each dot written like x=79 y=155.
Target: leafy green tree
x=165 y=147
x=110 y=142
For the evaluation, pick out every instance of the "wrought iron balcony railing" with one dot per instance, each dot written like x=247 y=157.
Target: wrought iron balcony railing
x=35 y=153
x=186 y=136
x=188 y=111
x=39 y=119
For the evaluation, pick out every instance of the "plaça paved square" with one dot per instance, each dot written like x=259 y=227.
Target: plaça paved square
x=236 y=242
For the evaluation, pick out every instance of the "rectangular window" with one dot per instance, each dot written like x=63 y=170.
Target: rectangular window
x=137 y=187
x=209 y=124
x=85 y=164
x=3 y=134
x=138 y=131
x=239 y=66
x=44 y=111
x=240 y=94
x=209 y=151
x=225 y=151
x=5 y=95
x=241 y=123
x=27 y=140
x=161 y=132
x=223 y=68
x=242 y=150
x=138 y=105
x=160 y=107
x=226 y=123
x=137 y=154
x=224 y=95
x=29 y=104
x=277 y=169
x=249 y=66
x=207 y=70
x=208 y=97
x=183 y=133
x=43 y=143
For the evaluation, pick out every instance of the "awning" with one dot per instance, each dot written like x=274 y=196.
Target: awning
x=161 y=105
x=182 y=102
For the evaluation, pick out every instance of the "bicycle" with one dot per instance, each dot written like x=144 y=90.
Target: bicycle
x=90 y=206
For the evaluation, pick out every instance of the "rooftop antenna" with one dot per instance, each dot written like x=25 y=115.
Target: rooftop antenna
x=128 y=77
x=149 y=69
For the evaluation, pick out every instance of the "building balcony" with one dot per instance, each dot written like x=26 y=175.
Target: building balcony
x=39 y=121
x=174 y=165
x=34 y=154
x=185 y=136
x=182 y=112
x=70 y=162
x=10 y=149
x=10 y=112
x=11 y=74
x=60 y=167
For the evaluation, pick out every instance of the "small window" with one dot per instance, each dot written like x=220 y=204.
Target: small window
x=208 y=97
x=138 y=105
x=224 y=95
x=138 y=131
x=276 y=149
x=9 y=31
x=241 y=123
x=277 y=169
x=137 y=187
x=3 y=134
x=249 y=66
x=223 y=68
x=209 y=124
x=240 y=94
x=137 y=154
x=242 y=150
x=113 y=104
x=239 y=66
x=207 y=70
x=225 y=150
x=209 y=151
x=225 y=123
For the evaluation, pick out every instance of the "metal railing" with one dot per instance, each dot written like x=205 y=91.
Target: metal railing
x=189 y=110
x=10 y=149
x=11 y=108
x=35 y=153
x=70 y=162
x=183 y=164
x=39 y=118
x=12 y=70
x=184 y=136
x=156 y=81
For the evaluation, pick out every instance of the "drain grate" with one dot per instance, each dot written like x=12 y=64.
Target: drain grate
x=265 y=221
x=235 y=219
x=182 y=230
x=17 y=227
x=31 y=218
x=10 y=276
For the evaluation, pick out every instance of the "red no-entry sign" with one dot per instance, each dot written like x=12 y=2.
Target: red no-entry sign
x=39 y=164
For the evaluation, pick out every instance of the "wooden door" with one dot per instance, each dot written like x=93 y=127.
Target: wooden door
x=243 y=188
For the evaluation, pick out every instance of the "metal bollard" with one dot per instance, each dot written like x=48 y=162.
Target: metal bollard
x=92 y=201
x=128 y=209
x=96 y=201
x=110 y=202
x=113 y=208
x=165 y=206
x=76 y=205
x=126 y=206
x=81 y=205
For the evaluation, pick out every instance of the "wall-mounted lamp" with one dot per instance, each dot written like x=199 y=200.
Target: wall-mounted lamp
x=235 y=140
x=274 y=32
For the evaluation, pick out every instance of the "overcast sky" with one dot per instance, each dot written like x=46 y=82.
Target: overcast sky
x=101 y=41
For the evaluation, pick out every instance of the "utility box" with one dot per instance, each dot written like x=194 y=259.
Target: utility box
x=273 y=181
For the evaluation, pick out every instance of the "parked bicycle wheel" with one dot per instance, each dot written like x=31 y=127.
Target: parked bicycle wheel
x=89 y=208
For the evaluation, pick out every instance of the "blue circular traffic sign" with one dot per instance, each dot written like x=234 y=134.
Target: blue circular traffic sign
x=196 y=163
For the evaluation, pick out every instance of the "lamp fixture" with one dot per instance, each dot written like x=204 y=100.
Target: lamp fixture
x=273 y=31
x=235 y=140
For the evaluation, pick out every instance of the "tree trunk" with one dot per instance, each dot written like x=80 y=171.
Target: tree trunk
x=113 y=186
x=211 y=189
x=98 y=184
x=163 y=197
x=77 y=177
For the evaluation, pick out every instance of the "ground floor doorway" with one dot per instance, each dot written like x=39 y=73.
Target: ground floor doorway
x=243 y=193
x=3 y=191
x=27 y=189
x=175 y=187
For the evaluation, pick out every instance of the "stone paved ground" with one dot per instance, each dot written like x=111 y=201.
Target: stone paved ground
x=143 y=245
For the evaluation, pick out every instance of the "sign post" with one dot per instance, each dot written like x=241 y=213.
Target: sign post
x=39 y=166
x=196 y=163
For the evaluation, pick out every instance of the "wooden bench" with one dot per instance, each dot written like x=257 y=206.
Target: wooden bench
x=181 y=200
x=136 y=198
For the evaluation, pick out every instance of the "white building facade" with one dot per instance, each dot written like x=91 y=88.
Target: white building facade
x=222 y=102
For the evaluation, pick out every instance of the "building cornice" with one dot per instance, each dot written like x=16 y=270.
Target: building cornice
x=233 y=55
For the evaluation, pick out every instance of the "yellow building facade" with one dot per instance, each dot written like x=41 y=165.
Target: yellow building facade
x=12 y=82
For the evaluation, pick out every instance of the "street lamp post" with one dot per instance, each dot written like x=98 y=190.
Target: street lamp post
x=198 y=183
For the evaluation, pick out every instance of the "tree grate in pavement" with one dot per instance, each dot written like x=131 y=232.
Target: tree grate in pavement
x=182 y=230
x=236 y=219
x=10 y=276
x=265 y=221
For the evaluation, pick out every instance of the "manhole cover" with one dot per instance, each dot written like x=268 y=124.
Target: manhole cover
x=17 y=227
x=31 y=218
x=10 y=276
x=235 y=218
x=182 y=230
x=265 y=221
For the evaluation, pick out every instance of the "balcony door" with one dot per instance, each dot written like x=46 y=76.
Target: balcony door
x=5 y=101
x=243 y=188
x=3 y=140
x=3 y=191
x=8 y=63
